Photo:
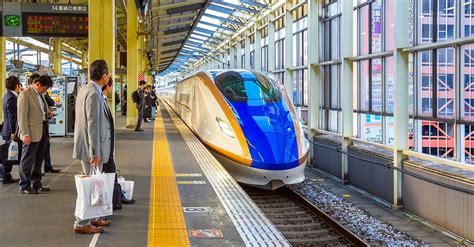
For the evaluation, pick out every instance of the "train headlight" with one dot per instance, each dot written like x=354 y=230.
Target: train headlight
x=225 y=127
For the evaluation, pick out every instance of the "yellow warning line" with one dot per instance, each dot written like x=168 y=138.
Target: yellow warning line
x=166 y=226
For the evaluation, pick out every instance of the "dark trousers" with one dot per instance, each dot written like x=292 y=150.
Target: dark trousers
x=139 y=117
x=31 y=162
x=47 y=158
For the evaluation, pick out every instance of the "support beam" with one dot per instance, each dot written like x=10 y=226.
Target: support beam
x=239 y=55
x=247 y=51
x=400 y=111
x=347 y=87
x=132 y=59
x=271 y=43
x=57 y=63
x=3 y=67
x=84 y=59
x=314 y=72
x=289 y=50
x=258 y=46
x=102 y=37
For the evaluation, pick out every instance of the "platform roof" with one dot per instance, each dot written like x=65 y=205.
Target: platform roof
x=185 y=31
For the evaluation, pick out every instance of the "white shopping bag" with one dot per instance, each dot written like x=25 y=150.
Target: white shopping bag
x=127 y=188
x=13 y=151
x=86 y=187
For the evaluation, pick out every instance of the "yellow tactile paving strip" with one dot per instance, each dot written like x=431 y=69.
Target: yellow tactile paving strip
x=166 y=226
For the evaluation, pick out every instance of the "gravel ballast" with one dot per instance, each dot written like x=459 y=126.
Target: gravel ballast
x=359 y=221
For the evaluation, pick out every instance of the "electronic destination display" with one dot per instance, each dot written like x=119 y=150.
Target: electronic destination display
x=55 y=25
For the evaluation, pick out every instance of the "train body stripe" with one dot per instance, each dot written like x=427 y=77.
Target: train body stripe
x=246 y=158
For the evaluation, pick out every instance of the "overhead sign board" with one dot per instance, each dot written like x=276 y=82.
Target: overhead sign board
x=44 y=20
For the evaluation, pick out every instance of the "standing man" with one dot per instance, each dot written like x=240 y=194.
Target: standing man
x=10 y=124
x=33 y=124
x=92 y=138
x=140 y=104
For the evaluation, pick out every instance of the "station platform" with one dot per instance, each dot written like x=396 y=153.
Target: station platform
x=183 y=197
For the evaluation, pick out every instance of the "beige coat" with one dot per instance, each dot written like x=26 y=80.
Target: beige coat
x=30 y=116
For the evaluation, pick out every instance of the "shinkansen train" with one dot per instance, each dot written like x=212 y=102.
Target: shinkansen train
x=247 y=121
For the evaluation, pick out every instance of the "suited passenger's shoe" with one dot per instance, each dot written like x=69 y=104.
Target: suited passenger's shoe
x=127 y=201
x=11 y=181
x=53 y=171
x=43 y=189
x=117 y=207
x=101 y=222
x=29 y=191
x=138 y=129
x=89 y=229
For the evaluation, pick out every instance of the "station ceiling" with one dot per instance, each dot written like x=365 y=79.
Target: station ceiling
x=183 y=31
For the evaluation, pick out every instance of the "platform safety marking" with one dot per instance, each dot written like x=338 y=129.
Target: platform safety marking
x=188 y=175
x=205 y=233
x=253 y=226
x=197 y=209
x=191 y=182
x=167 y=226
x=346 y=195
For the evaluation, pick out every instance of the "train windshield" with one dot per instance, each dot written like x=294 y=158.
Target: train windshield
x=244 y=86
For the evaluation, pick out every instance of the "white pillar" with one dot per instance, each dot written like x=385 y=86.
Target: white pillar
x=238 y=48
x=347 y=88
x=400 y=113
x=314 y=75
x=258 y=46
x=271 y=43
x=247 y=51
x=288 y=50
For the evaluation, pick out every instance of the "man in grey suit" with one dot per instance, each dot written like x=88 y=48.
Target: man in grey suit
x=140 y=105
x=92 y=138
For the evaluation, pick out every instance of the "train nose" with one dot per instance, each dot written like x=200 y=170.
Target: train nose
x=273 y=144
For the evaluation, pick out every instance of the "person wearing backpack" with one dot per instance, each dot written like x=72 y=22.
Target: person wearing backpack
x=138 y=98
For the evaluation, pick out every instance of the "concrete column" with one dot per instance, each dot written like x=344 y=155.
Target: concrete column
x=400 y=111
x=132 y=59
x=271 y=43
x=102 y=37
x=314 y=72
x=258 y=46
x=57 y=63
x=84 y=59
x=289 y=50
x=347 y=88
x=247 y=51
x=3 y=68
x=233 y=54
x=238 y=48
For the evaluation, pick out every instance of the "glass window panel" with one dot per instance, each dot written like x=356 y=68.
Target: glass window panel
x=467 y=18
x=371 y=128
x=389 y=86
x=467 y=75
x=377 y=26
x=425 y=83
x=469 y=144
x=305 y=87
x=334 y=87
x=446 y=19
x=437 y=139
x=355 y=85
x=334 y=39
x=389 y=135
x=333 y=121
x=364 y=30
x=445 y=83
x=305 y=47
x=364 y=85
x=376 y=70
x=389 y=38
x=425 y=22
x=411 y=133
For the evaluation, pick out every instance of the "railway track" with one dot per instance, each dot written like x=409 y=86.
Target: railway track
x=300 y=221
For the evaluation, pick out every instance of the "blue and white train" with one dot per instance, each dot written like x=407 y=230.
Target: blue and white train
x=248 y=122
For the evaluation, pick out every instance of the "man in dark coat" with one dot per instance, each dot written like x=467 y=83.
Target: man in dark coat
x=10 y=124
